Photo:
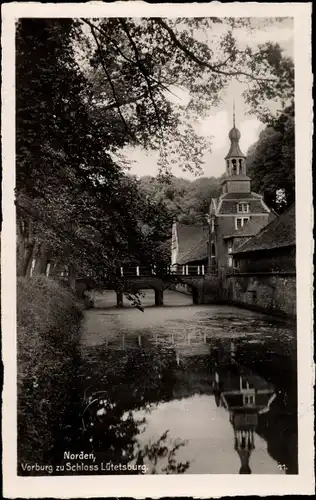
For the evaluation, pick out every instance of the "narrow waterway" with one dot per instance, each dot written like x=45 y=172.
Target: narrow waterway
x=186 y=388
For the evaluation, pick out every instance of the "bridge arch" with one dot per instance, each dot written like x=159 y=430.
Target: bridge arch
x=140 y=285
x=193 y=288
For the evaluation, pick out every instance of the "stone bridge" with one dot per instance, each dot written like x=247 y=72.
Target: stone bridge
x=202 y=284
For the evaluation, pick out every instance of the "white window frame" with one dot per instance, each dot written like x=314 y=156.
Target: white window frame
x=244 y=382
x=240 y=207
x=250 y=399
x=243 y=221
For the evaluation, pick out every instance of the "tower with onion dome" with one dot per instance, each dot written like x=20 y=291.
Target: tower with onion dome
x=238 y=214
x=236 y=180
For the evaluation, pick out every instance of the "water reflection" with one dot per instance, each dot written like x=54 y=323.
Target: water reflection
x=262 y=402
x=120 y=379
x=187 y=399
x=244 y=395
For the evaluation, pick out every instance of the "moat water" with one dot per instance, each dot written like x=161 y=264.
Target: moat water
x=188 y=388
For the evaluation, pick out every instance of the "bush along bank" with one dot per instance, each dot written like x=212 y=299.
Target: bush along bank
x=48 y=335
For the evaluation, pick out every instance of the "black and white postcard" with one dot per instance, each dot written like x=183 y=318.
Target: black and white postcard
x=157 y=250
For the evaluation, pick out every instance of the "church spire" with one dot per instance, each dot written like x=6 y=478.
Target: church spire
x=236 y=169
x=234 y=113
x=234 y=136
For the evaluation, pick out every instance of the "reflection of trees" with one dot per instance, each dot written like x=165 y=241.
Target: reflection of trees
x=279 y=429
x=118 y=383
x=159 y=451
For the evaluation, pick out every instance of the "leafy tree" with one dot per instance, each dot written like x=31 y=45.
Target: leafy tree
x=74 y=203
x=271 y=162
x=187 y=201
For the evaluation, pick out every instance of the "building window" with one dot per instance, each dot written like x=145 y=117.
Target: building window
x=243 y=208
x=244 y=384
x=250 y=399
x=240 y=221
x=230 y=261
x=235 y=264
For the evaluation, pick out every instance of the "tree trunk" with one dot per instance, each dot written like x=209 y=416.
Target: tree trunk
x=41 y=259
x=24 y=258
x=28 y=259
x=72 y=278
x=25 y=247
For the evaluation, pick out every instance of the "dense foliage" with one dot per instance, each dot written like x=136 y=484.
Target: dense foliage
x=88 y=87
x=271 y=162
x=48 y=327
x=186 y=201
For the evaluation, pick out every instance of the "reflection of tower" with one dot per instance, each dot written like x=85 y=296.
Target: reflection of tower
x=244 y=425
x=244 y=394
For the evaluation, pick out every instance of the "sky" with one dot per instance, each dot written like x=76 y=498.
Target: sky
x=219 y=122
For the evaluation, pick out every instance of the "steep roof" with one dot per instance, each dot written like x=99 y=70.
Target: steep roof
x=235 y=151
x=192 y=243
x=229 y=206
x=250 y=228
x=240 y=177
x=240 y=196
x=198 y=252
x=279 y=233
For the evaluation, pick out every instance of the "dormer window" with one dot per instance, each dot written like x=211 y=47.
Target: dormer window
x=240 y=221
x=249 y=399
x=243 y=208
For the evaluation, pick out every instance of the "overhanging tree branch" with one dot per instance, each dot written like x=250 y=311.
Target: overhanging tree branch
x=200 y=62
x=143 y=71
x=118 y=107
x=124 y=56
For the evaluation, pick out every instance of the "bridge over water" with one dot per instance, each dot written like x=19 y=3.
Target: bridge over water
x=199 y=280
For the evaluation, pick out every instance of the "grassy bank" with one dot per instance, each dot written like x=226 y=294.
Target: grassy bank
x=48 y=330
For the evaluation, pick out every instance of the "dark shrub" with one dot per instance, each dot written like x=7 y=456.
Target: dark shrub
x=48 y=331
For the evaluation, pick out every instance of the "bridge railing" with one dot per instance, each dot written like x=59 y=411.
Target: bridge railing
x=147 y=271
x=175 y=270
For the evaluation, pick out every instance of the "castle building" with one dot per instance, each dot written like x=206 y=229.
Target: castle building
x=238 y=214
